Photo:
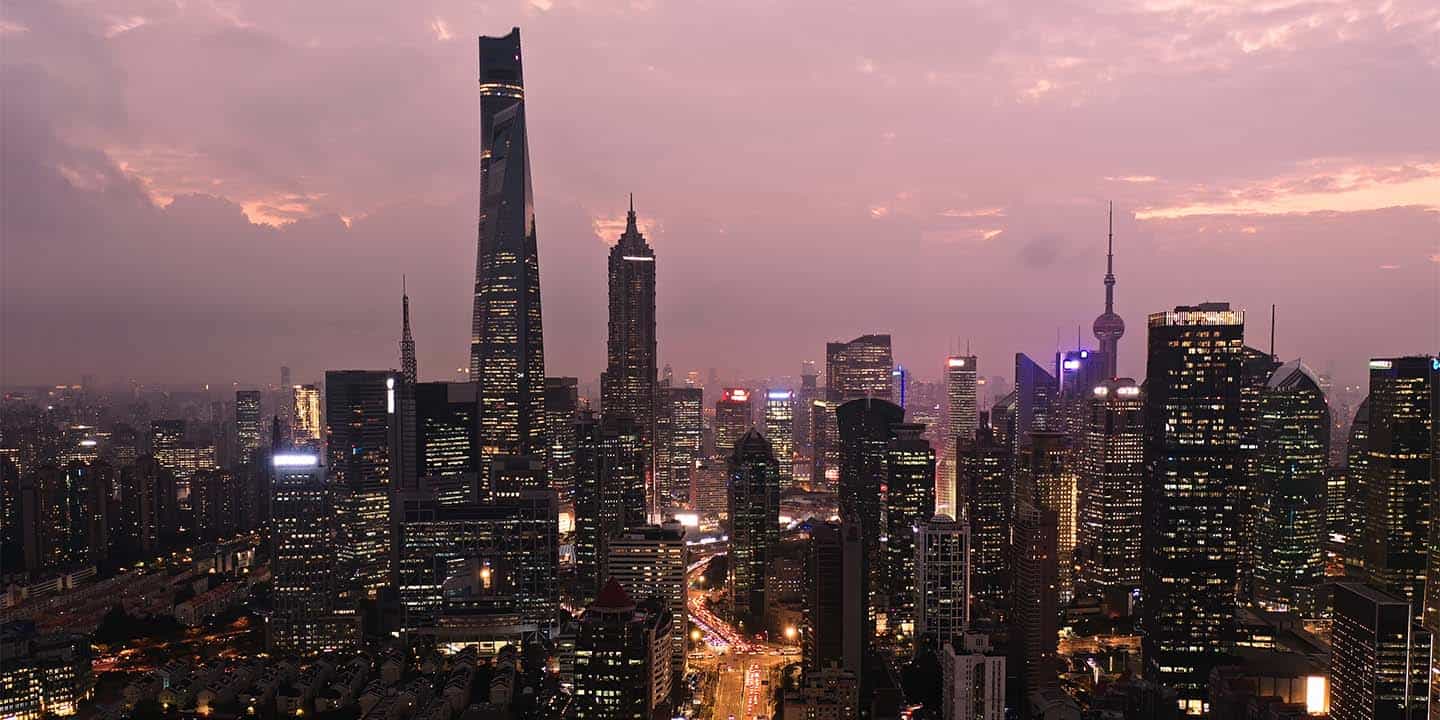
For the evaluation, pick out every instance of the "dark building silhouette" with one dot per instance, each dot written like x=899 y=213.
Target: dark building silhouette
x=805 y=399
x=446 y=445
x=837 y=629
x=609 y=491
x=1345 y=500
x=1034 y=615
x=1378 y=657
x=866 y=428
x=1294 y=452
x=1256 y=368
x=754 y=527
x=1399 y=488
x=507 y=348
x=986 y=488
x=1190 y=505
x=1035 y=393
x=628 y=384
x=909 y=493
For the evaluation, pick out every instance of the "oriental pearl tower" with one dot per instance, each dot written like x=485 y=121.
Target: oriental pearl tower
x=1109 y=327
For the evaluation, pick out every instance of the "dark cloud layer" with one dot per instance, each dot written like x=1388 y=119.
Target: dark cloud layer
x=203 y=191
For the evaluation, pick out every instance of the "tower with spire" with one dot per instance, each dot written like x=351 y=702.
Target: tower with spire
x=403 y=444
x=407 y=341
x=1109 y=328
x=628 y=385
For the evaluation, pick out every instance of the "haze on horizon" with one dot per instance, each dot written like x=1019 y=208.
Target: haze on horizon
x=202 y=191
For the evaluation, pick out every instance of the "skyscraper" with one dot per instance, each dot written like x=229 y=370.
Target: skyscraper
x=973 y=678
x=1034 y=618
x=562 y=401
x=402 y=433
x=507 y=349
x=305 y=427
x=960 y=392
x=622 y=658
x=446 y=446
x=651 y=562
x=360 y=410
x=804 y=399
x=986 y=488
x=1109 y=327
x=1345 y=497
x=942 y=579
x=1035 y=393
x=960 y=375
x=609 y=492
x=1047 y=480
x=866 y=427
x=510 y=543
x=1294 y=450
x=304 y=565
x=779 y=430
x=909 y=496
x=247 y=423
x=754 y=526
x=1112 y=484
x=627 y=387
x=1256 y=367
x=687 y=437
x=860 y=368
x=1192 y=418
x=1399 y=489
x=837 y=630
x=734 y=415
x=1378 y=657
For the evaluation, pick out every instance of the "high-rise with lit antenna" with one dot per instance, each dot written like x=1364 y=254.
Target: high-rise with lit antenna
x=1109 y=328
x=507 y=349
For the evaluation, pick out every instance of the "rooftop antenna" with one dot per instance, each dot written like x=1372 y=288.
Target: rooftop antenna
x=1272 y=331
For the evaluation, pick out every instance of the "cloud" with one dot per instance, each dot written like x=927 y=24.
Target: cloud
x=239 y=183
x=1323 y=186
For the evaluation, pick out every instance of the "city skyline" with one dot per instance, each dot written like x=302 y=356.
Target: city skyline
x=1004 y=249
x=1059 y=533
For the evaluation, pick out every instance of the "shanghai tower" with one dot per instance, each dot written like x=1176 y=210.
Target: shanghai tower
x=507 y=350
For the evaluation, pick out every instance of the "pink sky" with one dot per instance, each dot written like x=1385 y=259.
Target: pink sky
x=202 y=191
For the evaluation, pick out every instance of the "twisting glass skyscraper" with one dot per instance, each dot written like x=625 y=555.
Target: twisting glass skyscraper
x=507 y=349
x=627 y=387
